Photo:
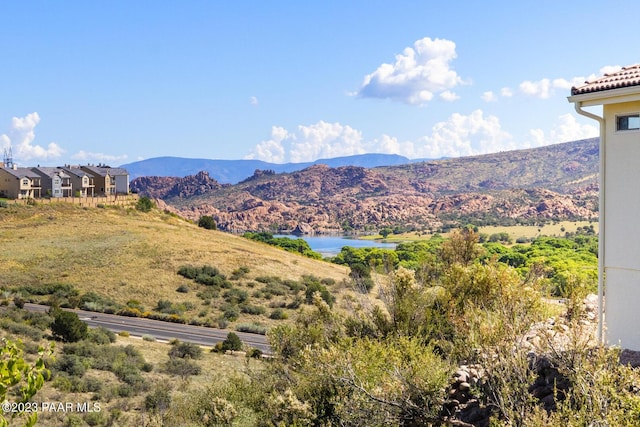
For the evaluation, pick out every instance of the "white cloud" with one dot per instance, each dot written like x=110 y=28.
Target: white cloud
x=449 y=96
x=566 y=129
x=253 y=100
x=460 y=135
x=20 y=139
x=489 y=97
x=86 y=156
x=307 y=143
x=464 y=135
x=540 y=89
x=417 y=74
x=506 y=92
x=546 y=88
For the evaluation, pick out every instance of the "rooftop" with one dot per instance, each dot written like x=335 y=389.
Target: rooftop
x=626 y=77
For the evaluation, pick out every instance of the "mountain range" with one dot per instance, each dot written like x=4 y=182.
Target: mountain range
x=522 y=186
x=234 y=171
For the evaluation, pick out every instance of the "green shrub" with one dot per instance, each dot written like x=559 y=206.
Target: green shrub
x=252 y=328
x=207 y=222
x=278 y=314
x=158 y=400
x=145 y=204
x=236 y=296
x=181 y=367
x=185 y=350
x=253 y=309
x=183 y=289
x=71 y=364
x=68 y=327
x=232 y=342
x=239 y=273
x=100 y=335
x=147 y=337
x=313 y=287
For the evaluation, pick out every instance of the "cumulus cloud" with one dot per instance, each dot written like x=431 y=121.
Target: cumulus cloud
x=87 y=156
x=417 y=75
x=21 y=136
x=464 y=135
x=253 y=100
x=307 y=143
x=545 y=88
x=489 y=97
x=566 y=129
x=460 y=135
x=506 y=92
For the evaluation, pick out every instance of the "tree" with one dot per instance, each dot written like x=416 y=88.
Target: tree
x=385 y=232
x=207 y=222
x=19 y=378
x=68 y=327
x=232 y=342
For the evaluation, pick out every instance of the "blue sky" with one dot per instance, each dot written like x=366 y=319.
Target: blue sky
x=292 y=81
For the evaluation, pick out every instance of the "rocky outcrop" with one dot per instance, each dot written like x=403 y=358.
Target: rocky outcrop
x=420 y=195
x=158 y=187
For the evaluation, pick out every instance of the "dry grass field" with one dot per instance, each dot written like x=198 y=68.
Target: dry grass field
x=125 y=255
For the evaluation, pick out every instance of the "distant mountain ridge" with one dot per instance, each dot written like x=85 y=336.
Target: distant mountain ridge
x=234 y=171
x=522 y=186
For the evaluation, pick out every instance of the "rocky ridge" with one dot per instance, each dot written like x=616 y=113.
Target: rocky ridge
x=523 y=186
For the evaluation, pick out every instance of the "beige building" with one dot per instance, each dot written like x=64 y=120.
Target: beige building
x=82 y=182
x=105 y=182
x=618 y=96
x=19 y=183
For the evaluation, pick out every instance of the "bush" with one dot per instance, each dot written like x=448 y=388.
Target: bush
x=183 y=289
x=185 y=350
x=158 y=400
x=278 y=314
x=68 y=327
x=71 y=364
x=232 y=342
x=207 y=222
x=149 y=338
x=145 y=204
x=253 y=309
x=252 y=328
x=101 y=335
x=181 y=367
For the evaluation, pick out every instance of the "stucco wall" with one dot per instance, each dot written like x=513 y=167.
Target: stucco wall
x=622 y=245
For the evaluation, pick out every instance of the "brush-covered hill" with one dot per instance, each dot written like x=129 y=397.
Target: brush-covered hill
x=552 y=182
x=110 y=259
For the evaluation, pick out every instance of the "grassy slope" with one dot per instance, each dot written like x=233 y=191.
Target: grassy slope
x=126 y=254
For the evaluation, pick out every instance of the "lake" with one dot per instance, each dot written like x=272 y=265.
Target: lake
x=331 y=245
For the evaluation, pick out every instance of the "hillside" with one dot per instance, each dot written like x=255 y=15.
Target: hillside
x=527 y=186
x=130 y=258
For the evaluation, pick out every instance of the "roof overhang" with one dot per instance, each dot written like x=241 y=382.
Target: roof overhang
x=612 y=96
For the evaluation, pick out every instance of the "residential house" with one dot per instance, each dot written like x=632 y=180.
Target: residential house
x=55 y=182
x=105 y=183
x=19 y=183
x=122 y=180
x=618 y=96
x=82 y=182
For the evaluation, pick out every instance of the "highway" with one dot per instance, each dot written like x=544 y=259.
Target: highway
x=138 y=326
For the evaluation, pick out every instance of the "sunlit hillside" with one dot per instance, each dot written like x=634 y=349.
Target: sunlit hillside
x=127 y=256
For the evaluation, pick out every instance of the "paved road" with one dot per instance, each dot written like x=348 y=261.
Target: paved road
x=161 y=330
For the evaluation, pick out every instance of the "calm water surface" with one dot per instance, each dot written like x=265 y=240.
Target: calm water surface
x=331 y=245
